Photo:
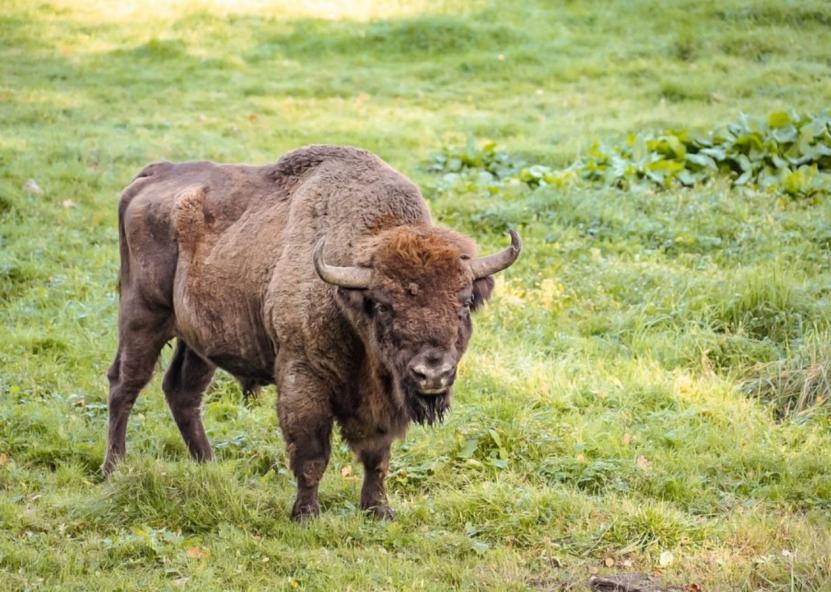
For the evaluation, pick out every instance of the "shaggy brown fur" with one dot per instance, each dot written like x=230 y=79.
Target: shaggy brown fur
x=220 y=257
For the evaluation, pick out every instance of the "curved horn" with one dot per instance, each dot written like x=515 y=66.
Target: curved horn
x=345 y=277
x=485 y=266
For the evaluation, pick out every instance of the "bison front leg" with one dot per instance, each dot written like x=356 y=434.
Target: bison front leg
x=376 y=461
x=306 y=420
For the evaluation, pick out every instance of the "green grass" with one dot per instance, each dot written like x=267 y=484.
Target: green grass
x=650 y=376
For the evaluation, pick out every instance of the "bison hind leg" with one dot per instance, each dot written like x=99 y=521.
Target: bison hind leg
x=184 y=383
x=141 y=338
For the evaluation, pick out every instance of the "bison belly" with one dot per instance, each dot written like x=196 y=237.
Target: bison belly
x=225 y=334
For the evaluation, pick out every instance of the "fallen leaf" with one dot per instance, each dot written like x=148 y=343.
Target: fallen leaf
x=4 y=458
x=643 y=463
x=68 y=203
x=32 y=187
x=196 y=553
x=609 y=562
x=665 y=558
x=294 y=584
x=346 y=471
x=626 y=563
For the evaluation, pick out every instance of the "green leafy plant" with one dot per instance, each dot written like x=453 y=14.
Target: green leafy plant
x=785 y=152
x=483 y=166
x=478 y=156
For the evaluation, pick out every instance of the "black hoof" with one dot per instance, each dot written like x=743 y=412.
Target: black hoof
x=303 y=511
x=381 y=512
x=108 y=467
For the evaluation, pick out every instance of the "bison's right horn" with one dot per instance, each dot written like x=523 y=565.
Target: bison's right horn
x=485 y=266
x=345 y=277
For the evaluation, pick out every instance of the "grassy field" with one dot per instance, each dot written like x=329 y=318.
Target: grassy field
x=644 y=393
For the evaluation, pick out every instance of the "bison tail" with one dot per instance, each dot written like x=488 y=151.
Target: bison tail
x=189 y=217
x=250 y=388
x=123 y=248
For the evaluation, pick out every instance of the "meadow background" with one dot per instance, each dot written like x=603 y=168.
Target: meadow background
x=646 y=391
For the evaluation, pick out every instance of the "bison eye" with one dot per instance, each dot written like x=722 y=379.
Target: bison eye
x=381 y=308
x=465 y=309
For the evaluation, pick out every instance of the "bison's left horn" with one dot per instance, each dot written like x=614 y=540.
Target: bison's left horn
x=485 y=266
x=345 y=277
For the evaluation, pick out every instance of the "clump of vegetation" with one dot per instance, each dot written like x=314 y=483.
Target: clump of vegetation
x=485 y=166
x=797 y=386
x=475 y=165
x=473 y=156
x=785 y=152
x=764 y=304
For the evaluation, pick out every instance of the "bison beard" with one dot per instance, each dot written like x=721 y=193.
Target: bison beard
x=422 y=409
x=426 y=409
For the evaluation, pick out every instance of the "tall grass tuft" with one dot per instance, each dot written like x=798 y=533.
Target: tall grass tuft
x=184 y=496
x=798 y=385
x=766 y=303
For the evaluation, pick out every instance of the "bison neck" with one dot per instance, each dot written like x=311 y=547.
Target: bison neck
x=371 y=407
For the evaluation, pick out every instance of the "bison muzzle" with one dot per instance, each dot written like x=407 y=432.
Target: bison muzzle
x=322 y=274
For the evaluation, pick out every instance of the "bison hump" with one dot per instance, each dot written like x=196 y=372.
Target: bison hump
x=295 y=165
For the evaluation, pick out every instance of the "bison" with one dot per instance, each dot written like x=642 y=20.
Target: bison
x=322 y=274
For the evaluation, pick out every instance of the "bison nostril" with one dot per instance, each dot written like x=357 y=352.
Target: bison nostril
x=449 y=375
x=419 y=373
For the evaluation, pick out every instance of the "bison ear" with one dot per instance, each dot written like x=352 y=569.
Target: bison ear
x=482 y=289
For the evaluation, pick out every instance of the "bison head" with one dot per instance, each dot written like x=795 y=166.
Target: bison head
x=410 y=299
